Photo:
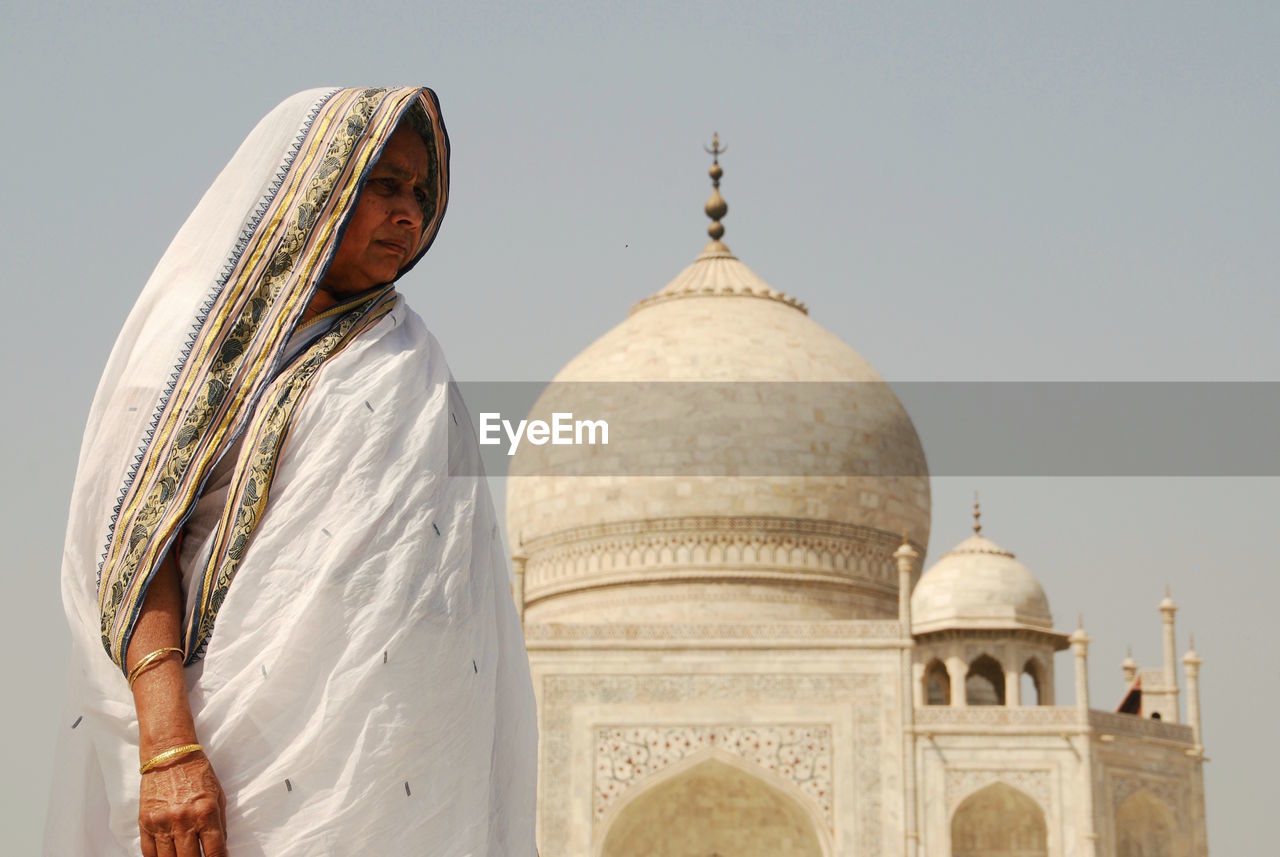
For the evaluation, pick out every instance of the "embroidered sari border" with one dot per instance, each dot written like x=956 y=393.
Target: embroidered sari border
x=256 y=468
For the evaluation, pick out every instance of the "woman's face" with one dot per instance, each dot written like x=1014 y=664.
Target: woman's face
x=383 y=231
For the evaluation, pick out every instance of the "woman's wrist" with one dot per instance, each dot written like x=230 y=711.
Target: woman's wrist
x=171 y=756
x=164 y=713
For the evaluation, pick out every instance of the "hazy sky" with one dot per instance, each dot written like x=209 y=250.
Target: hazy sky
x=960 y=191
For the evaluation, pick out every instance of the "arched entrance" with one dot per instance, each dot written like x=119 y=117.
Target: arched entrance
x=999 y=821
x=712 y=808
x=1144 y=828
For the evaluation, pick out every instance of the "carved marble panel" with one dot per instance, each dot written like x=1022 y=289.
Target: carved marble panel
x=1034 y=782
x=621 y=550
x=627 y=755
x=1172 y=792
x=536 y=632
x=870 y=696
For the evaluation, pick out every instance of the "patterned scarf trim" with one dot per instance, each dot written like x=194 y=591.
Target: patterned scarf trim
x=256 y=467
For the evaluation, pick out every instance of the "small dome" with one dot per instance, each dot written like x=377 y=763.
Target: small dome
x=979 y=585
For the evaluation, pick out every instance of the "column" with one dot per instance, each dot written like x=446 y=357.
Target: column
x=1080 y=645
x=1167 y=609
x=957 y=670
x=1191 y=663
x=906 y=557
x=1012 y=682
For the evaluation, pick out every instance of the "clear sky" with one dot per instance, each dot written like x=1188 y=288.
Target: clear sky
x=960 y=191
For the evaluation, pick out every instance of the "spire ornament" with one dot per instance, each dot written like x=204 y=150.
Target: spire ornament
x=716 y=208
x=977 y=515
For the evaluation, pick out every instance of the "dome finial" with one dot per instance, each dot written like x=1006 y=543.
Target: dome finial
x=977 y=515
x=716 y=208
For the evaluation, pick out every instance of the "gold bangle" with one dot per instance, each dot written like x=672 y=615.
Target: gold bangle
x=169 y=756
x=149 y=660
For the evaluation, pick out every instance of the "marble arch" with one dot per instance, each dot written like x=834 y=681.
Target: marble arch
x=1145 y=827
x=724 y=804
x=999 y=821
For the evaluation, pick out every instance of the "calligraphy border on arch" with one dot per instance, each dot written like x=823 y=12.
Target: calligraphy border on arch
x=1124 y=783
x=963 y=782
x=628 y=755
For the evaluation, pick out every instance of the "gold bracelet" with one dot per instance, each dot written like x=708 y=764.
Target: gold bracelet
x=169 y=756
x=149 y=660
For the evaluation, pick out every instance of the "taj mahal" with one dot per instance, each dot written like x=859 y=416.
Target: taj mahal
x=767 y=665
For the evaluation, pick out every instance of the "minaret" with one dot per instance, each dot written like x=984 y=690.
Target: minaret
x=1130 y=667
x=906 y=557
x=1191 y=663
x=1080 y=645
x=1167 y=610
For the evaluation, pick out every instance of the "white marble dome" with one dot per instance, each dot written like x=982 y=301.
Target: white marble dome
x=978 y=585
x=731 y=531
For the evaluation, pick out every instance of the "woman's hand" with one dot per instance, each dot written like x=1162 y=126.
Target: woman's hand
x=182 y=810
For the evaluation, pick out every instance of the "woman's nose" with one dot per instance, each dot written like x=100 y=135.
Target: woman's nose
x=407 y=210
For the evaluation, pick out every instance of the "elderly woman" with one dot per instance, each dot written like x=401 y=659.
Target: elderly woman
x=310 y=648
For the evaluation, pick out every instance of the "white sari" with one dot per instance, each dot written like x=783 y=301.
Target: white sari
x=366 y=688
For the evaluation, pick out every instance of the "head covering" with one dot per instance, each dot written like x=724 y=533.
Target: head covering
x=208 y=332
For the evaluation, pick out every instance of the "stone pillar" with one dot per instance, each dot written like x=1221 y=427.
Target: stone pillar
x=1191 y=663
x=1080 y=645
x=906 y=557
x=957 y=670
x=1167 y=609
x=1012 y=686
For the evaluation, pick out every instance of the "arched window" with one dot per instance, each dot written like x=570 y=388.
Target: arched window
x=937 y=684
x=1032 y=683
x=984 y=685
x=999 y=821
